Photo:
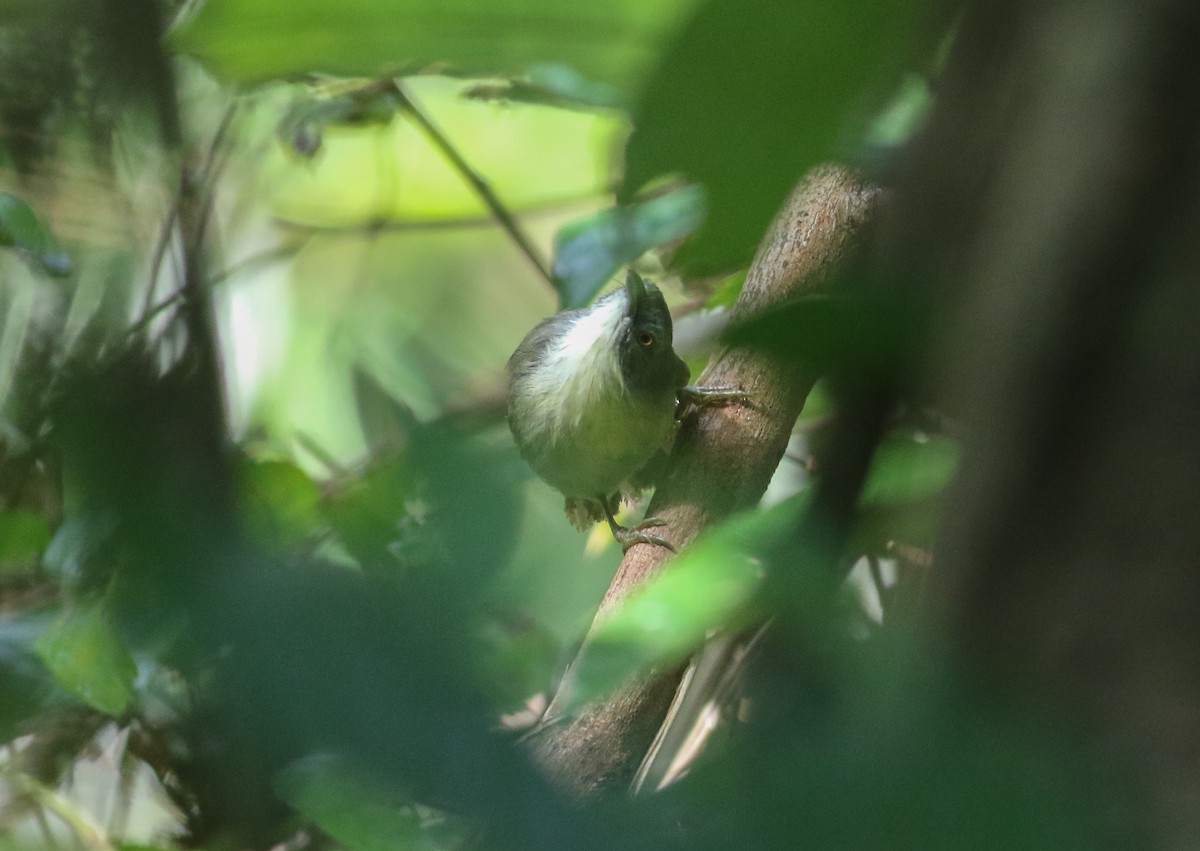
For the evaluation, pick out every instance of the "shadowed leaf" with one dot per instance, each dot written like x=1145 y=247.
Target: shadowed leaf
x=751 y=95
x=587 y=252
x=88 y=659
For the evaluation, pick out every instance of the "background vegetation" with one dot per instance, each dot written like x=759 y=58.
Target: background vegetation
x=271 y=572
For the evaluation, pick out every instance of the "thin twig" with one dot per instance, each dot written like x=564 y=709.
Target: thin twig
x=149 y=313
x=160 y=253
x=481 y=187
x=207 y=172
x=279 y=252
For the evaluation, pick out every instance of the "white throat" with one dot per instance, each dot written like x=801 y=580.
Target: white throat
x=582 y=366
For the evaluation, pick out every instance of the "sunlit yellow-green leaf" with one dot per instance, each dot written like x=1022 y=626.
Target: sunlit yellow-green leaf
x=531 y=156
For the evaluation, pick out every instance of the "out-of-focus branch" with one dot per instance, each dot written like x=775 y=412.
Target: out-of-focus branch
x=722 y=462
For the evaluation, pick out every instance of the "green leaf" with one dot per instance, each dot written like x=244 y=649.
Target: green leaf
x=751 y=95
x=281 y=502
x=361 y=811
x=588 y=251
x=251 y=40
x=901 y=499
x=88 y=659
x=835 y=334
x=83 y=548
x=516 y=659
x=903 y=116
x=26 y=687
x=21 y=229
x=549 y=84
x=908 y=469
x=532 y=157
x=711 y=585
x=303 y=125
x=368 y=513
x=24 y=535
x=727 y=291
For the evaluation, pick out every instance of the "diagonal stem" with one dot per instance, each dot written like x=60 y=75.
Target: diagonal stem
x=476 y=182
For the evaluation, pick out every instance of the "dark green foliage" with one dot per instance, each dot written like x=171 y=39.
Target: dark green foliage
x=335 y=648
x=587 y=253
x=749 y=97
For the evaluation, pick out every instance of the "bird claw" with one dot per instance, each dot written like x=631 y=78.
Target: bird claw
x=627 y=537
x=712 y=397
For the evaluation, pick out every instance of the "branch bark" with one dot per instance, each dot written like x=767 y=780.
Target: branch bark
x=722 y=461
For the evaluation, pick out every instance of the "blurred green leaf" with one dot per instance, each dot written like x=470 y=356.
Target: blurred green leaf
x=550 y=84
x=359 y=810
x=587 y=252
x=832 y=333
x=516 y=660
x=531 y=156
x=727 y=291
x=25 y=684
x=471 y=486
x=711 y=585
x=366 y=512
x=21 y=229
x=303 y=126
x=83 y=549
x=900 y=502
x=908 y=468
x=280 y=502
x=24 y=535
x=903 y=116
x=751 y=95
x=251 y=40
x=88 y=658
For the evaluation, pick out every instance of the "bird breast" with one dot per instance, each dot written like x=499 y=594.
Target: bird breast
x=579 y=427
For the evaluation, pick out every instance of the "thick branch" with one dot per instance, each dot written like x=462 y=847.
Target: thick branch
x=722 y=462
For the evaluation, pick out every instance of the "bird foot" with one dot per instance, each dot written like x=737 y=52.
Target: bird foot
x=712 y=397
x=627 y=537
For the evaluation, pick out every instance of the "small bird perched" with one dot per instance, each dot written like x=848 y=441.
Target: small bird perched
x=592 y=398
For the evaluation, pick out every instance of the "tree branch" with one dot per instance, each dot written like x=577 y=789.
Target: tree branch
x=722 y=462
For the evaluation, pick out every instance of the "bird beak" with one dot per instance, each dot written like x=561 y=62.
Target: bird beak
x=636 y=291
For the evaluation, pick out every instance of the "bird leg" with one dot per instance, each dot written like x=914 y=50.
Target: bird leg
x=627 y=537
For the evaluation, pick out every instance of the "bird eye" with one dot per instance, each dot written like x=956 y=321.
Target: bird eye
x=645 y=338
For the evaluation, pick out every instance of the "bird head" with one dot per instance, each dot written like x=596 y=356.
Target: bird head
x=648 y=363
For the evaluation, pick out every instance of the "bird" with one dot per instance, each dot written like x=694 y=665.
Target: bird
x=593 y=397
